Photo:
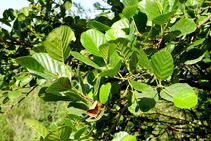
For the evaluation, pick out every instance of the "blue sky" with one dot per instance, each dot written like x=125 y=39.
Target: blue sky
x=18 y=4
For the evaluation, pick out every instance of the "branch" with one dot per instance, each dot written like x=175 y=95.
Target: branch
x=115 y=124
x=204 y=21
x=20 y=100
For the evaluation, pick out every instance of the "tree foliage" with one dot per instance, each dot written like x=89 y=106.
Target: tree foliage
x=142 y=74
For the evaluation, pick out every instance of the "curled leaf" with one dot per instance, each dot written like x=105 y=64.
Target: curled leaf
x=94 y=109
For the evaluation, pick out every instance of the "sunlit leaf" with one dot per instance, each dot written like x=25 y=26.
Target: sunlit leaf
x=104 y=93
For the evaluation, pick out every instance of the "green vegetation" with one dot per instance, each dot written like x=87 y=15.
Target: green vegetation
x=142 y=75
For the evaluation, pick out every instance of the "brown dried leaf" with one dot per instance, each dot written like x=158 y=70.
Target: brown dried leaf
x=94 y=109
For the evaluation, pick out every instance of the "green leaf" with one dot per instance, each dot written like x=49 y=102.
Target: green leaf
x=13 y=94
x=122 y=48
x=185 y=99
x=80 y=79
x=52 y=96
x=37 y=126
x=143 y=59
x=53 y=68
x=130 y=2
x=104 y=93
x=84 y=59
x=62 y=84
x=195 y=43
x=129 y=11
x=112 y=71
x=113 y=34
x=151 y=10
x=30 y=63
x=119 y=135
x=163 y=18
x=75 y=118
x=78 y=133
x=61 y=134
x=174 y=89
x=193 y=56
x=143 y=101
x=91 y=40
x=163 y=64
x=133 y=61
x=75 y=96
x=97 y=25
x=140 y=86
x=183 y=27
x=68 y=122
x=128 y=138
x=169 y=47
x=121 y=24
x=106 y=50
x=67 y=5
x=57 y=43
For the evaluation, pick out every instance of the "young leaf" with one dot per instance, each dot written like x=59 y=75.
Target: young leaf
x=162 y=64
x=113 y=34
x=62 y=84
x=104 y=93
x=129 y=11
x=57 y=43
x=61 y=134
x=97 y=25
x=84 y=59
x=80 y=79
x=91 y=40
x=78 y=134
x=13 y=94
x=185 y=99
x=30 y=63
x=37 y=126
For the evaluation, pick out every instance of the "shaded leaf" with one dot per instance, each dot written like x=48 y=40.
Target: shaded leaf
x=62 y=84
x=163 y=18
x=78 y=133
x=97 y=25
x=80 y=79
x=61 y=134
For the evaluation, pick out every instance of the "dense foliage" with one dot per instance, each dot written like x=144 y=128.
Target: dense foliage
x=142 y=74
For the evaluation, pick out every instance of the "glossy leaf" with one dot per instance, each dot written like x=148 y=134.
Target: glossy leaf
x=104 y=92
x=130 y=2
x=53 y=68
x=185 y=99
x=84 y=59
x=30 y=63
x=129 y=11
x=143 y=59
x=62 y=84
x=121 y=24
x=174 y=89
x=13 y=94
x=140 y=86
x=91 y=40
x=97 y=25
x=119 y=135
x=37 y=126
x=128 y=138
x=113 y=34
x=163 y=18
x=57 y=43
x=78 y=133
x=162 y=64
x=182 y=27
x=106 y=50
x=151 y=10
x=61 y=134
x=144 y=101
